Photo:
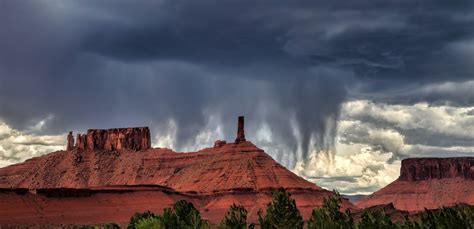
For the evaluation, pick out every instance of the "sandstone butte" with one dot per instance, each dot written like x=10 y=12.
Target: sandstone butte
x=427 y=183
x=108 y=175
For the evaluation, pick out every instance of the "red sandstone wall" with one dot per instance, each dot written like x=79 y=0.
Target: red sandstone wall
x=415 y=169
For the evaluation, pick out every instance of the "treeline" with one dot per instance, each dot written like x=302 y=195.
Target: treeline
x=282 y=212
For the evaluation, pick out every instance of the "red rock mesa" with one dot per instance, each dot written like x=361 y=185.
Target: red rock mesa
x=111 y=174
x=428 y=183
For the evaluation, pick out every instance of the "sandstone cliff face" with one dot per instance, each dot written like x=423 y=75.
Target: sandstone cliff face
x=137 y=138
x=427 y=183
x=415 y=169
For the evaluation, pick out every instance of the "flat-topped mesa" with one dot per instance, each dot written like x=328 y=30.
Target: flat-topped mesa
x=416 y=169
x=137 y=138
x=240 y=130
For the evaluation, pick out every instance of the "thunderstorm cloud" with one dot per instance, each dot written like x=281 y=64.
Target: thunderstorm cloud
x=323 y=84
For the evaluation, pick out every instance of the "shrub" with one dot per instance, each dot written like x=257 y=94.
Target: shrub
x=150 y=223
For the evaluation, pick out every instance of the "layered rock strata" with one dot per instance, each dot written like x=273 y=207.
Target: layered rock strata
x=416 y=169
x=427 y=183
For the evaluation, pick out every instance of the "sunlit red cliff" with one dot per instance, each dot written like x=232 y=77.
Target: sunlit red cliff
x=428 y=183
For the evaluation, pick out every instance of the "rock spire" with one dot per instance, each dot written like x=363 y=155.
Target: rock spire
x=70 y=141
x=240 y=130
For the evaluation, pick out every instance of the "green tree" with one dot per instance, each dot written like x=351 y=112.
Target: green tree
x=183 y=215
x=281 y=212
x=452 y=217
x=375 y=219
x=235 y=218
x=169 y=218
x=408 y=224
x=137 y=217
x=329 y=215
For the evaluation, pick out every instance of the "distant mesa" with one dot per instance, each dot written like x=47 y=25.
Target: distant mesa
x=417 y=169
x=427 y=183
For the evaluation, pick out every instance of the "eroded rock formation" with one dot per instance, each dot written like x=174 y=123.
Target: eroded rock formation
x=137 y=138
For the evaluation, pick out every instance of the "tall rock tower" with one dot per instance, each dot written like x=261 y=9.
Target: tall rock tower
x=240 y=131
x=70 y=141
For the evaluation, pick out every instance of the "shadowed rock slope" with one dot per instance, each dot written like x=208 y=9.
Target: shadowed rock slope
x=427 y=183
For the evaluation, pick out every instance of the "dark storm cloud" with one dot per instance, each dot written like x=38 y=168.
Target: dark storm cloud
x=123 y=63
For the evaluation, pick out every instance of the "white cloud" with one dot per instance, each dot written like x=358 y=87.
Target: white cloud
x=17 y=146
x=447 y=120
x=359 y=169
x=361 y=132
x=166 y=139
x=373 y=138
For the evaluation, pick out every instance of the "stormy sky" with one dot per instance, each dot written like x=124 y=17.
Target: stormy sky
x=337 y=91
